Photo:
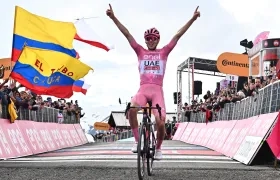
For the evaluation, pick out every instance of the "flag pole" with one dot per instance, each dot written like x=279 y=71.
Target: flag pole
x=93 y=17
x=15 y=15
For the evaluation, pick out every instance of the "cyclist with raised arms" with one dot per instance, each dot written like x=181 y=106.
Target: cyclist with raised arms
x=151 y=65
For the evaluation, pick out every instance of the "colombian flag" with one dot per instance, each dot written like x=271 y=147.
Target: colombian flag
x=47 y=72
x=39 y=32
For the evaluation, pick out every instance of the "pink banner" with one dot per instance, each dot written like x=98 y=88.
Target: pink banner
x=236 y=136
x=220 y=141
x=262 y=125
x=32 y=136
x=81 y=133
x=43 y=130
x=238 y=139
x=208 y=133
x=74 y=135
x=218 y=127
x=24 y=138
x=15 y=138
x=200 y=137
x=66 y=135
x=180 y=130
x=56 y=135
x=194 y=134
x=6 y=148
x=254 y=138
x=188 y=131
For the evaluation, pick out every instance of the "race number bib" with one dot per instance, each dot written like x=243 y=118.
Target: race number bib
x=151 y=67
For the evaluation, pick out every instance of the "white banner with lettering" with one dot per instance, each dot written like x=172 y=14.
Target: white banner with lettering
x=232 y=77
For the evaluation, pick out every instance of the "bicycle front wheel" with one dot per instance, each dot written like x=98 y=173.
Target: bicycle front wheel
x=151 y=150
x=141 y=152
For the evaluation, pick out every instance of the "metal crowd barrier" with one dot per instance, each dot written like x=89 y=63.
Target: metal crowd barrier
x=44 y=114
x=116 y=137
x=266 y=100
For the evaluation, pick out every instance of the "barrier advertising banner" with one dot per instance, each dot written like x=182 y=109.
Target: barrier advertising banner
x=208 y=133
x=24 y=138
x=194 y=133
x=81 y=133
x=236 y=136
x=43 y=131
x=218 y=127
x=202 y=131
x=237 y=139
x=74 y=135
x=188 y=131
x=56 y=135
x=222 y=138
x=18 y=146
x=252 y=141
x=31 y=135
x=180 y=130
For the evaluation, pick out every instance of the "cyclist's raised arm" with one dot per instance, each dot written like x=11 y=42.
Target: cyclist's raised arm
x=182 y=31
x=121 y=27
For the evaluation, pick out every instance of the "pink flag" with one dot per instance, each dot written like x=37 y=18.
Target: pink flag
x=262 y=36
x=87 y=35
x=273 y=139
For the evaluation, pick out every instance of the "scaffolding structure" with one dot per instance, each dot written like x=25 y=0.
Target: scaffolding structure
x=193 y=66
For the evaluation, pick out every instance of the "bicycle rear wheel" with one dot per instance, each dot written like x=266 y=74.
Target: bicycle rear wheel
x=141 y=152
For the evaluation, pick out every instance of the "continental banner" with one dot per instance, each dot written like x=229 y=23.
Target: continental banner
x=101 y=126
x=6 y=66
x=236 y=64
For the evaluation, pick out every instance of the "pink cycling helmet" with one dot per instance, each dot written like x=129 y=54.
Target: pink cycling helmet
x=152 y=32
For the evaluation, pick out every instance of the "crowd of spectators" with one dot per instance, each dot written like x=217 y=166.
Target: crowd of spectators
x=25 y=100
x=170 y=128
x=213 y=102
x=119 y=133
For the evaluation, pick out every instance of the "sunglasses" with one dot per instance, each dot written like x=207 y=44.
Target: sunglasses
x=151 y=38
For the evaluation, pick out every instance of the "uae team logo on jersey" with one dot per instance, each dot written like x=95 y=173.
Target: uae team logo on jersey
x=152 y=64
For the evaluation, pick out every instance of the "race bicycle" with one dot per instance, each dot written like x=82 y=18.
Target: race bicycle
x=146 y=153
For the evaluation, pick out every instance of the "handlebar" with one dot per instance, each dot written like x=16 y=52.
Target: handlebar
x=143 y=107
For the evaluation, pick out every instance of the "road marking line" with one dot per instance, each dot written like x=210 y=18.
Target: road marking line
x=127 y=148
x=125 y=157
x=117 y=160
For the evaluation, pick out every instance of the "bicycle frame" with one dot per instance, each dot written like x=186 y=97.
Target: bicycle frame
x=145 y=112
x=147 y=115
x=147 y=131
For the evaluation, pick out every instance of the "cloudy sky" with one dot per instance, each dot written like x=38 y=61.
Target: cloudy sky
x=222 y=25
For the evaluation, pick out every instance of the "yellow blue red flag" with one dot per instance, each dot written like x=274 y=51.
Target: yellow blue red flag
x=40 y=32
x=48 y=72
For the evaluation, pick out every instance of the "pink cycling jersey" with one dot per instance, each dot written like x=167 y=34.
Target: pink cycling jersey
x=151 y=66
